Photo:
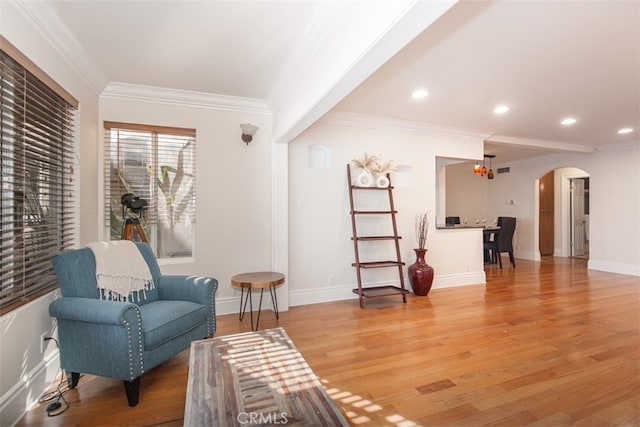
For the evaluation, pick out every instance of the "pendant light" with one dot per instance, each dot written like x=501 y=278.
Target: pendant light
x=490 y=173
x=476 y=168
x=482 y=170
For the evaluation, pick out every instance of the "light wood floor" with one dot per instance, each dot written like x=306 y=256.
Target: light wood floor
x=547 y=343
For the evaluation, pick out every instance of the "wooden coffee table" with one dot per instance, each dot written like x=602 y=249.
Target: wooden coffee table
x=255 y=378
x=257 y=280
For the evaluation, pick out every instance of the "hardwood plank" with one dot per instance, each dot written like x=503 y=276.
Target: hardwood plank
x=548 y=343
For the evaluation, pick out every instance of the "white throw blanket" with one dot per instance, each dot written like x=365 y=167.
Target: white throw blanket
x=121 y=270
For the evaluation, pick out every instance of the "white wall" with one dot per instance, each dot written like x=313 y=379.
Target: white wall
x=233 y=188
x=24 y=372
x=614 y=179
x=320 y=246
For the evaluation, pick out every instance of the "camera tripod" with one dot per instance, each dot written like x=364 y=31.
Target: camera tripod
x=127 y=230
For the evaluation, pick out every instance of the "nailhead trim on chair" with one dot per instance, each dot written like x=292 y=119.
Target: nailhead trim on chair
x=130 y=345
x=211 y=324
x=140 y=343
x=126 y=324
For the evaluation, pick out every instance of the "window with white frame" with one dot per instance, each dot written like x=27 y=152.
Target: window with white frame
x=37 y=217
x=156 y=164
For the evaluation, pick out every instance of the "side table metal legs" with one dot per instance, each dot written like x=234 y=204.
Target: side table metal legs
x=243 y=306
x=257 y=280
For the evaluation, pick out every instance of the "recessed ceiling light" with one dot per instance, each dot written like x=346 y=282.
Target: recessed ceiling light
x=501 y=109
x=624 y=131
x=420 y=93
x=568 y=121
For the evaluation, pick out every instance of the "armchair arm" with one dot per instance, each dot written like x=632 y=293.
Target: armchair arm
x=90 y=329
x=198 y=289
x=92 y=310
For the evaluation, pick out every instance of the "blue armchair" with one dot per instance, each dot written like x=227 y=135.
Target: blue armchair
x=122 y=340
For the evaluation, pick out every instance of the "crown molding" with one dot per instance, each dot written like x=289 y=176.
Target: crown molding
x=540 y=144
x=43 y=19
x=183 y=98
x=385 y=123
x=619 y=146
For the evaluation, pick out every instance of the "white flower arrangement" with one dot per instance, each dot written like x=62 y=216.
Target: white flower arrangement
x=385 y=168
x=369 y=163
x=373 y=166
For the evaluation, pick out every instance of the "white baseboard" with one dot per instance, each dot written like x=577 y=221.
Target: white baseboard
x=528 y=255
x=459 y=279
x=340 y=293
x=231 y=305
x=592 y=264
x=614 y=267
x=321 y=295
x=15 y=403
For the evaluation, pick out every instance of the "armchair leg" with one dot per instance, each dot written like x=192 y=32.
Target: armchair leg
x=132 y=388
x=72 y=379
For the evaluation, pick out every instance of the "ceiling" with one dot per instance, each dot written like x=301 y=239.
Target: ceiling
x=547 y=60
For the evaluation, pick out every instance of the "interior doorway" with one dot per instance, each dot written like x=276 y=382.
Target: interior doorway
x=546 y=212
x=562 y=213
x=579 y=216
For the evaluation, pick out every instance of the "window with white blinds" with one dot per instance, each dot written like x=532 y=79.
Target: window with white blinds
x=36 y=164
x=157 y=165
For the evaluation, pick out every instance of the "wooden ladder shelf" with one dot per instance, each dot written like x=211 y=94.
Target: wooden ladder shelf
x=381 y=290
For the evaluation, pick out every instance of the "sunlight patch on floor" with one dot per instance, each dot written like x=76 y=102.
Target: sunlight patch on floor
x=360 y=410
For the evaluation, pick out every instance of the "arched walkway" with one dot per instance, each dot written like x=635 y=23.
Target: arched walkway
x=562 y=213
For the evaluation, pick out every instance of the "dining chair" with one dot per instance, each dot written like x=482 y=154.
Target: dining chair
x=452 y=220
x=503 y=241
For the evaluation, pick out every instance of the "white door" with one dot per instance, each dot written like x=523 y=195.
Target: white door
x=578 y=231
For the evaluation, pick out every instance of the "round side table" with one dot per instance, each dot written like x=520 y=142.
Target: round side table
x=257 y=280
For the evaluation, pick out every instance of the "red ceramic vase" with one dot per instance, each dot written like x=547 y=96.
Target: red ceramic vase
x=420 y=274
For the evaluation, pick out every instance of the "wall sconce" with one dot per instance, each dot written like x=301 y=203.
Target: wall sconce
x=248 y=130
